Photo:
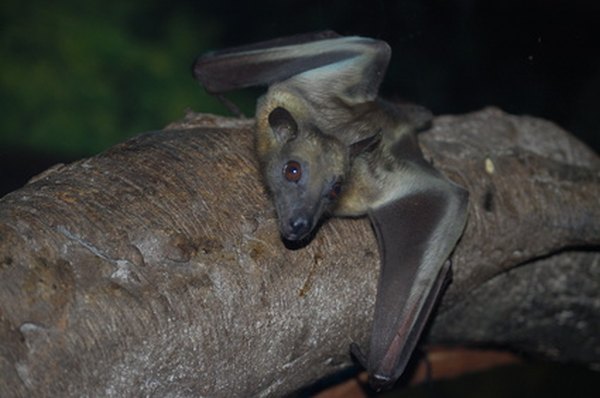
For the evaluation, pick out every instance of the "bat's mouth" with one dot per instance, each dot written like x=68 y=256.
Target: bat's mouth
x=298 y=227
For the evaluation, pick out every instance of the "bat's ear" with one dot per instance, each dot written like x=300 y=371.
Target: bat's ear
x=324 y=67
x=283 y=124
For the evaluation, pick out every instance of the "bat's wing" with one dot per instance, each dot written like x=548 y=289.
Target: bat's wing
x=326 y=64
x=416 y=235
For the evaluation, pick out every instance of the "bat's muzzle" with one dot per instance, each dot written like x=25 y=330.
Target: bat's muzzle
x=297 y=229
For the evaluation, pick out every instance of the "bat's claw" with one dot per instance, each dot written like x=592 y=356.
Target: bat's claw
x=380 y=383
x=376 y=382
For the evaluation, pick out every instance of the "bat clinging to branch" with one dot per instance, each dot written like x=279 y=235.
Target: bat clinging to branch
x=329 y=146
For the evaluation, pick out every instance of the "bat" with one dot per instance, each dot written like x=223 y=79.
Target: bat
x=328 y=145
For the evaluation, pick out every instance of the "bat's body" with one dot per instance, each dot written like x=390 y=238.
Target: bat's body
x=329 y=145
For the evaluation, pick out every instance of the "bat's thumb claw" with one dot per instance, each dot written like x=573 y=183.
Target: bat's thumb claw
x=380 y=383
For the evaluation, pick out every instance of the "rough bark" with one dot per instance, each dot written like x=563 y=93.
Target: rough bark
x=156 y=269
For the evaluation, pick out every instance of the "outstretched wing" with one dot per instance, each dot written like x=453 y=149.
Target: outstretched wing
x=349 y=68
x=417 y=230
x=416 y=234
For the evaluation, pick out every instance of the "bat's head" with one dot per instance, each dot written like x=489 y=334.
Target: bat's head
x=304 y=172
x=304 y=166
x=319 y=85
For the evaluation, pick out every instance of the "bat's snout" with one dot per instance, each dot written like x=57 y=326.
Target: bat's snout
x=296 y=229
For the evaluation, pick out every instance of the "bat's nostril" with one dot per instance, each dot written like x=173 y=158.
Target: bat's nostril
x=299 y=225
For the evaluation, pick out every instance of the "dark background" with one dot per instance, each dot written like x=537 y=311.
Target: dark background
x=77 y=77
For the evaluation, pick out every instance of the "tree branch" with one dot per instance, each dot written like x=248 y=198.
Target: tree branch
x=155 y=268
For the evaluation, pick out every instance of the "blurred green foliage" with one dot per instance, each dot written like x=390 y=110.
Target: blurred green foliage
x=77 y=77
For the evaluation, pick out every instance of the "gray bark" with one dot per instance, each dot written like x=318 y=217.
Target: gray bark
x=156 y=269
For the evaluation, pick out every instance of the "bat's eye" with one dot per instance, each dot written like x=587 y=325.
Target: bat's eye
x=335 y=191
x=292 y=171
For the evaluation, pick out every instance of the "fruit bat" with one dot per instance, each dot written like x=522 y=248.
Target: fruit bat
x=328 y=145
